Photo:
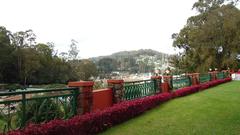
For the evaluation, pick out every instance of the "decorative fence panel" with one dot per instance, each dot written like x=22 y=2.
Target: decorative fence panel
x=220 y=75
x=138 y=89
x=36 y=106
x=180 y=82
x=204 y=78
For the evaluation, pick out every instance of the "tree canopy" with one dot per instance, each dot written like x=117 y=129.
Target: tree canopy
x=24 y=61
x=211 y=39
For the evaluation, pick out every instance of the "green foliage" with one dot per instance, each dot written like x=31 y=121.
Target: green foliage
x=13 y=87
x=107 y=65
x=2 y=123
x=24 y=61
x=6 y=56
x=37 y=111
x=99 y=85
x=83 y=69
x=51 y=86
x=209 y=39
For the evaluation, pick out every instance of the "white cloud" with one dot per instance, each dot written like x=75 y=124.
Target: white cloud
x=100 y=26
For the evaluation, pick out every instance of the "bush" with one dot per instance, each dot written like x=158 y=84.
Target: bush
x=186 y=91
x=38 y=111
x=14 y=87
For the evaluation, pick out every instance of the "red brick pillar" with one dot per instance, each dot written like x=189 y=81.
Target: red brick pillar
x=194 y=78
x=213 y=75
x=197 y=76
x=168 y=80
x=85 y=97
x=165 y=87
x=157 y=83
x=229 y=73
x=118 y=90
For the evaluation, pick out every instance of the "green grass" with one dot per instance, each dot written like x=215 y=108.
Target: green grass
x=215 y=111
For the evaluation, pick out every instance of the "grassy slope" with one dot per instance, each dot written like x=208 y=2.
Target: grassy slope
x=215 y=111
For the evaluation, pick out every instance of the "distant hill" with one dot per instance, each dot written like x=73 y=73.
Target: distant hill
x=135 y=53
x=143 y=60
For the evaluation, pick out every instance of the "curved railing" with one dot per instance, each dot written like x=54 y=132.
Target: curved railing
x=35 y=106
x=204 y=78
x=138 y=89
x=180 y=82
x=220 y=75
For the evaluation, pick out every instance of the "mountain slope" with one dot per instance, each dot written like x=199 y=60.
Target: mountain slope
x=144 y=60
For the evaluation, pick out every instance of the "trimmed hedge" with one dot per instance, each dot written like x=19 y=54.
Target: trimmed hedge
x=186 y=91
x=93 y=123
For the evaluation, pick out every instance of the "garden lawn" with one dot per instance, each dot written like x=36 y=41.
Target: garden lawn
x=215 y=111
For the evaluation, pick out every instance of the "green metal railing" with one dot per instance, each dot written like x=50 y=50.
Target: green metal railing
x=220 y=75
x=204 y=78
x=180 y=82
x=226 y=74
x=138 y=89
x=36 y=106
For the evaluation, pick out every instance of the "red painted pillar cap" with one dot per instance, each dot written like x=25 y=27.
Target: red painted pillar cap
x=115 y=81
x=80 y=83
x=156 y=77
x=167 y=76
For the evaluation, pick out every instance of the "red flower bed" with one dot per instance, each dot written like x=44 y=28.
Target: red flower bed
x=186 y=91
x=228 y=79
x=96 y=122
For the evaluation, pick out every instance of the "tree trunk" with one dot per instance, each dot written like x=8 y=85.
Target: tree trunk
x=25 y=81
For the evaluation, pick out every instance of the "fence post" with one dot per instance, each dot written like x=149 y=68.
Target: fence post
x=228 y=72
x=213 y=75
x=225 y=73
x=157 y=83
x=23 y=121
x=197 y=76
x=117 y=88
x=74 y=103
x=85 y=96
x=169 y=81
x=191 y=78
x=194 y=78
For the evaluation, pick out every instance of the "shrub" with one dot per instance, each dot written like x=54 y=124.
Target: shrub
x=13 y=87
x=186 y=91
x=37 y=111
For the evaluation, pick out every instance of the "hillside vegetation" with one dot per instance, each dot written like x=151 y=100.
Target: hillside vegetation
x=138 y=61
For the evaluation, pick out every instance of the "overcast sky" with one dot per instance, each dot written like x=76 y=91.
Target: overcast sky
x=101 y=27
